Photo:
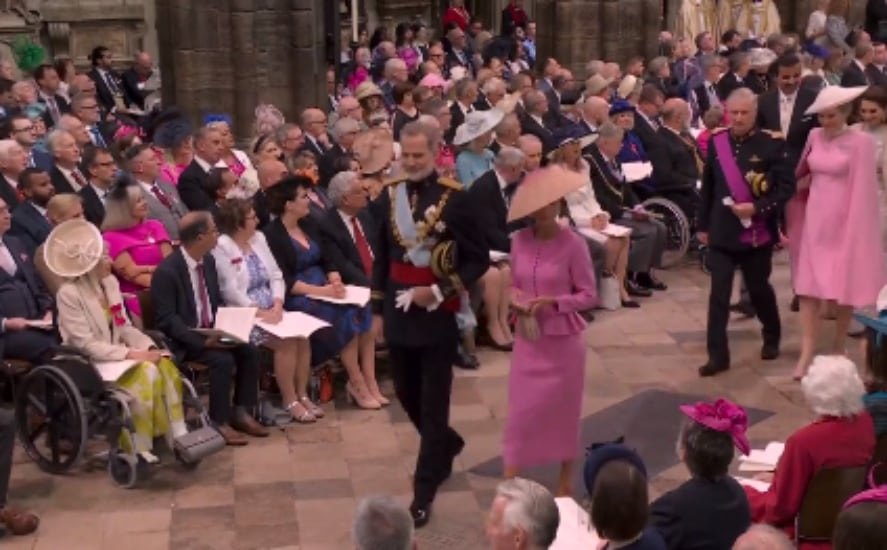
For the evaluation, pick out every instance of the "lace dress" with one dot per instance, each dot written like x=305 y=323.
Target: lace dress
x=259 y=291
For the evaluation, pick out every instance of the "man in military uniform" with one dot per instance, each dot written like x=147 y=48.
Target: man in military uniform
x=745 y=183
x=428 y=253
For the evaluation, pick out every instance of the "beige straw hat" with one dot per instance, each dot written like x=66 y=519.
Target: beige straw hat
x=374 y=150
x=542 y=187
x=73 y=248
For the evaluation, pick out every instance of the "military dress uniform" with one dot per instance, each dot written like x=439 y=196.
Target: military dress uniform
x=428 y=236
x=750 y=168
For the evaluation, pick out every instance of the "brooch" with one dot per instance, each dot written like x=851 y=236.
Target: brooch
x=117 y=315
x=237 y=261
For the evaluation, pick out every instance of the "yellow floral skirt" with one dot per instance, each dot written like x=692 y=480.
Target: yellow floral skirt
x=156 y=407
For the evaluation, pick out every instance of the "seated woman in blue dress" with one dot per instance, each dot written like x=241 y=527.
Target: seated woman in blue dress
x=622 y=115
x=291 y=238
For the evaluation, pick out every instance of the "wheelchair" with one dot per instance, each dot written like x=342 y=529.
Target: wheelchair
x=63 y=404
x=681 y=239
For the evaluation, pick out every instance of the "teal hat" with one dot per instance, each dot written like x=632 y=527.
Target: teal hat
x=879 y=322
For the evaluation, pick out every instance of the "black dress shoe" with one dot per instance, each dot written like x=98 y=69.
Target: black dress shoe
x=769 y=352
x=630 y=304
x=421 y=514
x=743 y=308
x=635 y=289
x=647 y=280
x=465 y=360
x=795 y=305
x=710 y=369
x=455 y=450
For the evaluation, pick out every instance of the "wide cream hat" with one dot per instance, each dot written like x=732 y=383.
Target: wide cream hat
x=366 y=89
x=477 y=123
x=542 y=187
x=831 y=97
x=73 y=248
x=627 y=86
x=374 y=150
x=596 y=84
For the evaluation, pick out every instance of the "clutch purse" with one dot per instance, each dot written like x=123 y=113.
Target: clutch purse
x=196 y=445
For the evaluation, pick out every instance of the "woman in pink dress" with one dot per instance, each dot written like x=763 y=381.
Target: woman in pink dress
x=552 y=281
x=834 y=224
x=135 y=243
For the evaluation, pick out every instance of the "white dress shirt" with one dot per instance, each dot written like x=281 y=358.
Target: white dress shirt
x=786 y=108
x=102 y=194
x=7 y=262
x=203 y=164
x=195 y=288
x=69 y=175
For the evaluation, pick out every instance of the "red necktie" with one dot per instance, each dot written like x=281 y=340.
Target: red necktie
x=78 y=178
x=164 y=200
x=363 y=248
x=205 y=321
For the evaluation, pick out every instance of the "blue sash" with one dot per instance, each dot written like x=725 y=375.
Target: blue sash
x=418 y=253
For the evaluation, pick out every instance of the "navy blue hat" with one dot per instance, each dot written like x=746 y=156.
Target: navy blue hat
x=621 y=106
x=172 y=133
x=817 y=51
x=601 y=453
x=567 y=134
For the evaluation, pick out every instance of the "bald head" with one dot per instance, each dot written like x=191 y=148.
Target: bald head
x=349 y=107
x=313 y=122
x=595 y=110
x=270 y=173
x=81 y=84
x=763 y=537
x=143 y=62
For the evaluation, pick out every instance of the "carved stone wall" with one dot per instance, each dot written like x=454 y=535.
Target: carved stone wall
x=230 y=56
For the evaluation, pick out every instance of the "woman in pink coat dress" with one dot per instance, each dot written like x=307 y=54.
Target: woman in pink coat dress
x=834 y=224
x=552 y=281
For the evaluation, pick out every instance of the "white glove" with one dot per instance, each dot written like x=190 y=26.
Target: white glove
x=728 y=202
x=404 y=299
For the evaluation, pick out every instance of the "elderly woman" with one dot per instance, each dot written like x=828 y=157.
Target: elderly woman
x=234 y=159
x=837 y=181
x=474 y=136
x=309 y=277
x=264 y=148
x=136 y=244
x=622 y=115
x=92 y=319
x=552 y=282
x=842 y=436
x=60 y=209
x=709 y=510
x=586 y=213
x=249 y=277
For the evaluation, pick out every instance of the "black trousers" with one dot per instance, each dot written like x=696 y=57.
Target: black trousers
x=755 y=265
x=7 y=443
x=423 y=380
x=239 y=365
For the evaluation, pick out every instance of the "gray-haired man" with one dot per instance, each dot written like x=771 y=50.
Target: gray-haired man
x=523 y=516
x=381 y=523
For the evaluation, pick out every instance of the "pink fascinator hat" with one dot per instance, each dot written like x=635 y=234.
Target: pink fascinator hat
x=878 y=494
x=722 y=416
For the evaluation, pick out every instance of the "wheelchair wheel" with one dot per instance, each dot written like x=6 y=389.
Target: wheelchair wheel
x=678 y=229
x=123 y=469
x=52 y=419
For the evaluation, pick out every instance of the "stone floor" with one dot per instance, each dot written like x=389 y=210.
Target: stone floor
x=298 y=488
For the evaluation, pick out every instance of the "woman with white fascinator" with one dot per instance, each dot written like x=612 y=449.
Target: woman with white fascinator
x=834 y=222
x=93 y=320
x=474 y=136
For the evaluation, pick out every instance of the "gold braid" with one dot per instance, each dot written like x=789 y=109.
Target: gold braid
x=421 y=232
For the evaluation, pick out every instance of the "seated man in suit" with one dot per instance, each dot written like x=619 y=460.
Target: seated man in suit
x=535 y=120
x=738 y=67
x=30 y=223
x=677 y=163
x=271 y=172
x=616 y=196
x=20 y=129
x=23 y=299
x=164 y=203
x=65 y=174
x=186 y=294
x=344 y=133
x=12 y=161
x=347 y=229
x=100 y=168
x=857 y=72
x=193 y=181
x=48 y=81
x=134 y=78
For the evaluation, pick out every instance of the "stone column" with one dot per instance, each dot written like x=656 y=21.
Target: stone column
x=229 y=57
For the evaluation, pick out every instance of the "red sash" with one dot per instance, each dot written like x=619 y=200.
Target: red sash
x=409 y=274
x=757 y=234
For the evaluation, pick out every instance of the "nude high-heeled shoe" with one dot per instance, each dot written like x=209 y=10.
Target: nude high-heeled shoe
x=376 y=393
x=361 y=398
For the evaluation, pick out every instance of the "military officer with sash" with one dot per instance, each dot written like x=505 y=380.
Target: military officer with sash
x=745 y=183
x=428 y=253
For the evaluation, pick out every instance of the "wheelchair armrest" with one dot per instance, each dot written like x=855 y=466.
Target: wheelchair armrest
x=158 y=338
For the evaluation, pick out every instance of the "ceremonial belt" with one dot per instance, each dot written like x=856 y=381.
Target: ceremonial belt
x=757 y=233
x=409 y=274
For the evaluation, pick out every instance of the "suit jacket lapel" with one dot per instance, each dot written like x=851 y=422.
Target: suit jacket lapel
x=185 y=279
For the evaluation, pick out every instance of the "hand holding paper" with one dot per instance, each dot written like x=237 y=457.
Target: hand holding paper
x=731 y=204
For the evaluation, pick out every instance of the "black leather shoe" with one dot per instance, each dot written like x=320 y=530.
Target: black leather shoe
x=795 y=305
x=465 y=360
x=630 y=304
x=647 y=280
x=421 y=514
x=769 y=352
x=710 y=369
x=743 y=308
x=455 y=451
x=634 y=289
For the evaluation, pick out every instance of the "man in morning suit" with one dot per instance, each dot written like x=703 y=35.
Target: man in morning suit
x=347 y=231
x=65 y=174
x=314 y=132
x=677 y=162
x=646 y=119
x=13 y=161
x=417 y=280
x=47 y=79
x=23 y=298
x=193 y=183
x=108 y=87
x=534 y=120
x=494 y=190
x=748 y=168
x=30 y=223
x=618 y=198
x=100 y=169
x=164 y=203
x=856 y=73
x=186 y=295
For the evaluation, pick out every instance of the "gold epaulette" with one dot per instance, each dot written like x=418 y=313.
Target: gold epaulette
x=450 y=183
x=773 y=134
x=394 y=181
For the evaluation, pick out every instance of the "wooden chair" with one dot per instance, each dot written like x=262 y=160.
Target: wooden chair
x=191 y=369
x=825 y=495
